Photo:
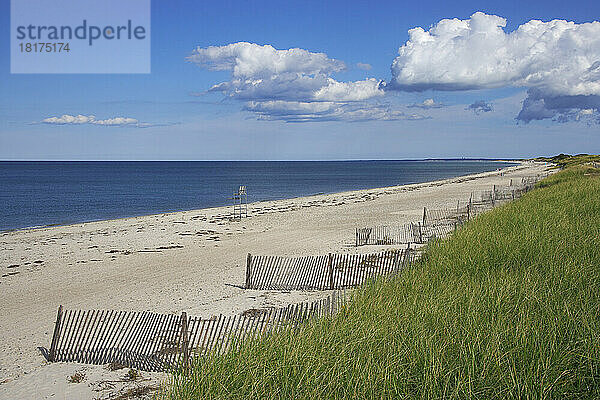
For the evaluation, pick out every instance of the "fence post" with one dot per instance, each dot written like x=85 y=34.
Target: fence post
x=248 y=270
x=424 y=215
x=55 y=335
x=333 y=303
x=469 y=211
x=356 y=230
x=185 y=343
x=330 y=267
x=420 y=232
x=406 y=261
x=493 y=195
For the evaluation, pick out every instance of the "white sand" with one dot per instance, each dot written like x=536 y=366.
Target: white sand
x=119 y=264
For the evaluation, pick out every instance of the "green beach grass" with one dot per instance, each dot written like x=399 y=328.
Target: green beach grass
x=507 y=307
x=566 y=160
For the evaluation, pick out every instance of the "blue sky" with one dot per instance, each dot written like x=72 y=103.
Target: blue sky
x=420 y=110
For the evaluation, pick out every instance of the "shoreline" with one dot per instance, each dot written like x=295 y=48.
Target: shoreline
x=191 y=261
x=59 y=224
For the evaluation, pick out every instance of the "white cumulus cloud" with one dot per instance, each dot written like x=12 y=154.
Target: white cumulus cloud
x=253 y=60
x=67 y=119
x=349 y=91
x=89 y=119
x=427 y=103
x=293 y=76
x=555 y=60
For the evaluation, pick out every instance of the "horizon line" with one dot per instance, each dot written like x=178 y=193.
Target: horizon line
x=284 y=160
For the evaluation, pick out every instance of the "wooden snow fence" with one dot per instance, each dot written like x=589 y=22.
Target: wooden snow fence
x=439 y=223
x=162 y=342
x=385 y=235
x=328 y=272
x=434 y=224
x=403 y=234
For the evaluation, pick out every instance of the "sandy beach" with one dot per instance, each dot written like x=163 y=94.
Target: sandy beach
x=191 y=261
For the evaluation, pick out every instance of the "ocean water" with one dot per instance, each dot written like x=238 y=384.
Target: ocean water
x=47 y=193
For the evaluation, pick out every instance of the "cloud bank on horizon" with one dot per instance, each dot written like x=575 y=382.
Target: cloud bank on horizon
x=558 y=62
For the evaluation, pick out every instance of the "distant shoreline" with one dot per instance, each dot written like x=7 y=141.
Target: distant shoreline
x=225 y=207
x=250 y=161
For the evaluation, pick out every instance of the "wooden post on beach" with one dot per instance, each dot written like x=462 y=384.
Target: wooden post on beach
x=330 y=267
x=55 y=335
x=334 y=304
x=248 y=270
x=406 y=261
x=397 y=255
x=424 y=215
x=185 y=342
x=494 y=195
x=421 y=231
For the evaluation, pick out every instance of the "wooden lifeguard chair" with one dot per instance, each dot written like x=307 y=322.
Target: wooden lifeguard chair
x=240 y=203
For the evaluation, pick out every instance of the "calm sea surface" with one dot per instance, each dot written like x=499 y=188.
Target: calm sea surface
x=44 y=193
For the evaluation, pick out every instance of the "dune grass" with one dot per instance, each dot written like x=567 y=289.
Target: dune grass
x=567 y=160
x=508 y=307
